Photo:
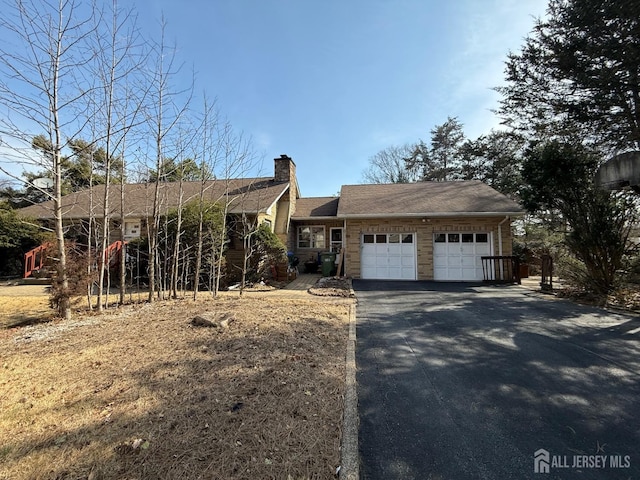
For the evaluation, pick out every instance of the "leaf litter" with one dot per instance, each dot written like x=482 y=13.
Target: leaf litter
x=142 y=393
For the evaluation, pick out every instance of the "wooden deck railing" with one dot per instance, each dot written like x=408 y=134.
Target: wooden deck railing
x=501 y=269
x=34 y=259
x=111 y=253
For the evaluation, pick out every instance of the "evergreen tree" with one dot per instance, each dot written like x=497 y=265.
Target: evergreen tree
x=578 y=73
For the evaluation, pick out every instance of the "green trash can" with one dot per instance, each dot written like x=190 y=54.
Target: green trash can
x=328 y=261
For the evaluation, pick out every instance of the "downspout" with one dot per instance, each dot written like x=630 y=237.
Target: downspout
x=500 y=246
x=500 y=235
x=344 y=247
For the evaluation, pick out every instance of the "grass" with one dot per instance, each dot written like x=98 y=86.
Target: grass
x=139 y=393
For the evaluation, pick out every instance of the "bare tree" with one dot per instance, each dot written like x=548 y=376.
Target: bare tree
x=390 y=166
x=186 y=148
x=119 y=58
x=239 y=161
x=166 y=111
x=43 y=89
x=208 y=156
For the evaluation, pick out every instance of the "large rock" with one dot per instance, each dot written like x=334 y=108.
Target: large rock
x=212 y=320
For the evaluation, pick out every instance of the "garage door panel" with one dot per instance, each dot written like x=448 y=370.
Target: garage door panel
x=368 y=257
x=381 y=261
x=395 y=272
x=456 y=255
x=453 y=260
x=408 y=261
x=395 y=261
x=395 y=249
x=382 y=272
x=388 y=256
x=468 y=249
x=380 y=249
x=468 y=261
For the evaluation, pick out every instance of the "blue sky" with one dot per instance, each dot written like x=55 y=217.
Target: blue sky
x=332 y=82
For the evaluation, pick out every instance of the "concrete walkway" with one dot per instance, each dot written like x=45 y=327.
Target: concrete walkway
x=304 y=282
x=533 y=283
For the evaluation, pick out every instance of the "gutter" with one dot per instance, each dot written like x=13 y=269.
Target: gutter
x=305 y=219
x=432 y=215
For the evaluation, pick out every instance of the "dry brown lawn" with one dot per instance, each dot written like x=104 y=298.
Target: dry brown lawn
x=23 y=304
x=139 y=393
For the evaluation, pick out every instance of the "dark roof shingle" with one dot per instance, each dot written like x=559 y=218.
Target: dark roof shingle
x=244 y=194
x=316 y=207
x=424 y=198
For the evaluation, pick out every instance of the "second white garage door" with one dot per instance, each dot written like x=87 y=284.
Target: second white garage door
x=457 y=256
x=388 y=256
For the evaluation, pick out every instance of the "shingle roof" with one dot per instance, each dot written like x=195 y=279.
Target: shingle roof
x=245 y=194
x=314 y=207
x=424 y=198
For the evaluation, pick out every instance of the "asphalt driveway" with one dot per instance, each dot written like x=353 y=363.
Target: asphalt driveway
x=460 y=381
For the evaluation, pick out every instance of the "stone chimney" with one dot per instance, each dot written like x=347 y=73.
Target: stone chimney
x=285 y=170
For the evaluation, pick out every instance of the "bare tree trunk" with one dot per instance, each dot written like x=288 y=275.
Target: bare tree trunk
x=103 y=257
x=107 y=261
x=198 y=266
x=90 y=260
x=123 y=251
x=64 y=306
x=89 y=240
x=220 y=256
x=112 y=71
x=176 y=245
x=162 y=126
x=210 y=147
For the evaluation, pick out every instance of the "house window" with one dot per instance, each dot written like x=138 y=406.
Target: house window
x=311 y=237
x=467 y=238
x=407 y=238
x=132 y=229
x=268 y=224
x=336 y=239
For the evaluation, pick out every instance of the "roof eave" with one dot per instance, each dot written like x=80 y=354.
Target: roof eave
x=275 y=202
x=324 y=217
x=431 y=214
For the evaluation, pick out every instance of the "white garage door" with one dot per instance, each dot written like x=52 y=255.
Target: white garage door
x=388 y=256
x=456 y=256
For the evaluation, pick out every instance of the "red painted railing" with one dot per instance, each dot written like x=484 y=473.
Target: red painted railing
x=34 y=259
x=113 y=250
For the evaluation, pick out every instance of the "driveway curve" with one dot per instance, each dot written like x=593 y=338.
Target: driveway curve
x=462 y=381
